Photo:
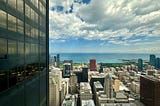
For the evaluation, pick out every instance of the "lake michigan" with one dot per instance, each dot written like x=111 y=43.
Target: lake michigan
x=102 y=57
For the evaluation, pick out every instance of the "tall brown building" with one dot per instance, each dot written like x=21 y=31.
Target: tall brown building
x=93 y=65
x=150 y=91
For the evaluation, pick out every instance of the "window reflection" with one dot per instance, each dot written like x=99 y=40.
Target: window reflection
x=20 y=5
x=12 y=3
x=35 y=3
x=42 y=9
x=11 y=23
x=12 y=48
x=20 y=49
x=22 y=58
x=20 y=73
x=27 y=10
x=4 y=0
x=3 y=48
x=3 y=19
x=20 y=26
x=3 y=80
x=12 y=77
x=28 y=30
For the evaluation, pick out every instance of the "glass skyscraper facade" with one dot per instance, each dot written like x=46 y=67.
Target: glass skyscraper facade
x=24 y=52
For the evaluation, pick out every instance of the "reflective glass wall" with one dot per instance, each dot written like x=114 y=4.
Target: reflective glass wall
x=23 y=44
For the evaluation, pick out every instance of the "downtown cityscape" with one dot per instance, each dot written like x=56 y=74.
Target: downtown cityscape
x=134 y=82
x=79 y=53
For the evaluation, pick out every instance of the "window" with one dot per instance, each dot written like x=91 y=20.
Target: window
x=35 y=3
x=20 y=5
x=28 y=31
x=12 y=3
x=27 y=10
x=3 y=19
x=3 y=48
x=3 y=80
x=11 y=23
x=4 y=0
x=32 y=14
x=20 y=48
x=20 y=27
x=12 y=48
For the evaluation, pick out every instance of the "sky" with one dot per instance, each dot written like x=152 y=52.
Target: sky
x=104 y=26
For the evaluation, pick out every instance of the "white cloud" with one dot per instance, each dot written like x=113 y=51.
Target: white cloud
x=106 y=20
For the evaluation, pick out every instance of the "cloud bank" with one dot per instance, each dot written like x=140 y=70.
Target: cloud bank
x=122 y=22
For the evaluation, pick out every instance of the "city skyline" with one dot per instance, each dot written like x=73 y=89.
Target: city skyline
x=107 y=26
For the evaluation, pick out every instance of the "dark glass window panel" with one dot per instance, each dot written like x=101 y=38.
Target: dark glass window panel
x=20 y=26
x=12 y=48
x=3 y=48
x=3 y=19
x=20 y=73
x=27 y=11
x=3 y=80
x=12 y=3
x=20 y=5
x=12 y=23
x=28 y=29
x=13 y=77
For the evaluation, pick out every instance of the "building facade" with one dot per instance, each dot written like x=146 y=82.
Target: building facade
x=149 y=91
x=85 y=74
x=152 y=60
x=24 y=52
x=93 y=65
x=140 y=64
x=108 y=86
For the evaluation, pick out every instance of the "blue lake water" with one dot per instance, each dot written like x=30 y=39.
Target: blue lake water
x=101 y=57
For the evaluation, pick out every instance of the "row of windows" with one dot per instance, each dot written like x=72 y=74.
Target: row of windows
x=16 y=48
x=16 y=25
x=18 y=4
x=20 y=59
x=12 y=54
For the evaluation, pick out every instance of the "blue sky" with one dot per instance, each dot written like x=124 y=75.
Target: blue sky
x=105 y=26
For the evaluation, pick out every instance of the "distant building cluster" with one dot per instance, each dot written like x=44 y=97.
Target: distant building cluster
x=132 y=84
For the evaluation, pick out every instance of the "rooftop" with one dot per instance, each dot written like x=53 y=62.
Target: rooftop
x=88 y=103
x=98 y=85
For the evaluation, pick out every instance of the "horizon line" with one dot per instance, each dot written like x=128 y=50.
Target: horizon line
x=106 y=52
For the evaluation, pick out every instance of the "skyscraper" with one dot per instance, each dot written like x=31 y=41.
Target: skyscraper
x=101 y=68
x=85 y=74
x=152 y=60
x=93 y=65
x=158 y=63
x=58 y=60
x=108 y=86
x=66 y=70
x=24 y=52
x=140 y=64
x=149 y=91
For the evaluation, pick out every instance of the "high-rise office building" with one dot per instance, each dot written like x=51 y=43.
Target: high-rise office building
x=158 y=63
x=108 y=86
x=85 y=74
x=24 y=52
x=66 y=70
x=69 y=61
x=58 y=60
x=152 y=60
x=149 y=91
x=54 y=91
x=140 y=64
x=101 y=68
x=93 y=65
